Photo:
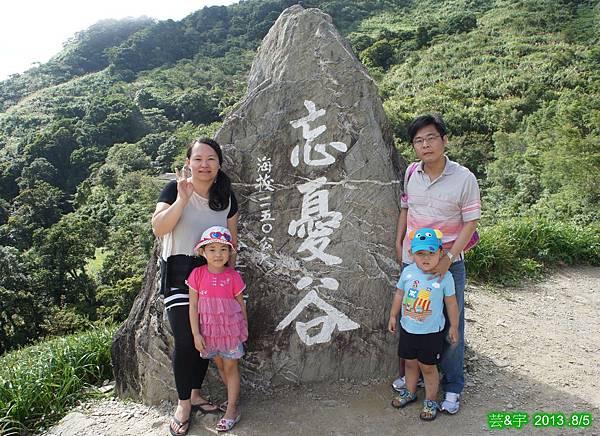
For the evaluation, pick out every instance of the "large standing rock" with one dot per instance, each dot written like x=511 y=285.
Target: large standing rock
x=311 y=155
x=319 y=260
x=142 y=346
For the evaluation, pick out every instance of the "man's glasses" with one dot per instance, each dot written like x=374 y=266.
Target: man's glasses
x=429 y=139
x=219 y=235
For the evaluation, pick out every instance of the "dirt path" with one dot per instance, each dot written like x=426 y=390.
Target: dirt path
x=531 y=348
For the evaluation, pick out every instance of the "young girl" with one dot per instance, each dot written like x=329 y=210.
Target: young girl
x=218 y=314
x=421 y=297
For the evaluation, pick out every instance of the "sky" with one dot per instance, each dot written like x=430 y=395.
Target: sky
x=34 y=30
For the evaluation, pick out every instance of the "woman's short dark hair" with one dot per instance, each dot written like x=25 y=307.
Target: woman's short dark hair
x=426 y=120
x=219 y=194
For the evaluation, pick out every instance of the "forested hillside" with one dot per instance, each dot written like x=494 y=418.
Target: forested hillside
x=83 y=136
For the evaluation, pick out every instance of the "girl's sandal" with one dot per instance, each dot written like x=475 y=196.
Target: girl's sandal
x=430 y=409
x=226 y=424
x=403 y=398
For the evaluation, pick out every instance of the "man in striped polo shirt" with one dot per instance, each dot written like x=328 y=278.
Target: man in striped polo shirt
x=440 y=194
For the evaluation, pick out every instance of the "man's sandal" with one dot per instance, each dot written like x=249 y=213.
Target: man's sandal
x=403 y=398
x=226 y=424
x=429 y=411
x=201 y=407
x=179 y=425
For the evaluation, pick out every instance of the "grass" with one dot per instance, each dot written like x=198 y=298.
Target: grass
x=524 y=247
x=39 y=384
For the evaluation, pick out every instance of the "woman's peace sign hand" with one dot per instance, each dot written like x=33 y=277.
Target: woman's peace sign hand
x=185 y=188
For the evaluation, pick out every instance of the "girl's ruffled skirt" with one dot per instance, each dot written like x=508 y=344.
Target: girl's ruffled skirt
x=222 y=324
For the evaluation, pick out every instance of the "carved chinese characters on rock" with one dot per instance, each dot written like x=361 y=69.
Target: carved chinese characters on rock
x=310 y=135
x=316 y=223
x=264 y=191
x=315 y=226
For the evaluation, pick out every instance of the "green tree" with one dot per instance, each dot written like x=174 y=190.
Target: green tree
x=196 y=106
x=360 y=41
x=513 y=176
x=115 y=302
x=10 y=169
x=461 y=22
x=19 y=314
x=114 y=118
x=423 y=36
x=150 y=143
x=379 y=55
x=39 y=169
x=127 y=158
x=130 y=238
x=34 y=208
x=62 y=253
x=166 y=154
x=4 y=211
x=55 y=144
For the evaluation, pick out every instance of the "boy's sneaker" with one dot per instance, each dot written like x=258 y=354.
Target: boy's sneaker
x=400 y=383
x=451 y=403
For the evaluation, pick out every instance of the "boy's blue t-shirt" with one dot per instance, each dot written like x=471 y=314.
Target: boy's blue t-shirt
x=423 y=302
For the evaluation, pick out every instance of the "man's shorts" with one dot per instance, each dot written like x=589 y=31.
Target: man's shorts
x=426 y=348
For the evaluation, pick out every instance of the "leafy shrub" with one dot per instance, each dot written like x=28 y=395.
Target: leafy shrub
x=115 y=301
x=380 y=54
x=461 y=22
x=39 y=384
x=64 y=321
x=522 y=247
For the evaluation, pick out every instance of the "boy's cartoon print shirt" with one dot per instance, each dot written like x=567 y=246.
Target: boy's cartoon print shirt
x=423 y=302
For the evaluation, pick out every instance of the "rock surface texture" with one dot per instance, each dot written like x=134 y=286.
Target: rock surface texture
x=142 y=346
x=311 y=157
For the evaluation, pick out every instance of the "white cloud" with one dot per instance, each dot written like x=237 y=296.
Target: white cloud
x=34 y=30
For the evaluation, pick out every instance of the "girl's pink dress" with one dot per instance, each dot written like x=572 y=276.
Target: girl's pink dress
x=222 y=323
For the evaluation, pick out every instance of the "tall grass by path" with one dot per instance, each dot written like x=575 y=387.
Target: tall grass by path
x=524 y=247
x=39 y=384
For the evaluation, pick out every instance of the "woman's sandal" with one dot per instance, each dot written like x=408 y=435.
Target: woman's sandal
x=430 y=409
x=201 y=407
x=226 y=424
x=403 y=398
x=179 y=426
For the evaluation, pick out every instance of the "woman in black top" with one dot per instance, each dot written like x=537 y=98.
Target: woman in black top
x=185 y=209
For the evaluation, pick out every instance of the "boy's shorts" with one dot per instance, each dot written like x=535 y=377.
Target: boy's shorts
x=426 y=348
x=234 y=354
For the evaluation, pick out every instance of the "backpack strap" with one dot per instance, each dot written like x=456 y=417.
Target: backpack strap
x=410 y=171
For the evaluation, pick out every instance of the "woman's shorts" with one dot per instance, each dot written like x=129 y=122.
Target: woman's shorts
x=234 y=354
x=426 y=348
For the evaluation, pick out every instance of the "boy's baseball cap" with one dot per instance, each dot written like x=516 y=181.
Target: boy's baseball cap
x=425 y=239
x=218 y=234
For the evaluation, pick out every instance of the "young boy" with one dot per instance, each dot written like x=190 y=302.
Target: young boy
x=422 y=296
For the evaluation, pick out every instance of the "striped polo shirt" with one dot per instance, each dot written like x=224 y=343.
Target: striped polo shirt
x=445 y=203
